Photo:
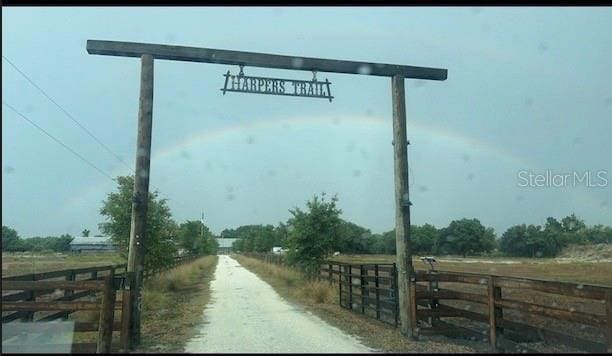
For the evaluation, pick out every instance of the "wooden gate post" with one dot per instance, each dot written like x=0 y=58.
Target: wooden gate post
x=492 y=313
x=135 y=267
x=377 y=285
x=402 y=207
x=340 y=285
x=125 y=319
x=107 y=315
x=363 y=288
x=31 y=297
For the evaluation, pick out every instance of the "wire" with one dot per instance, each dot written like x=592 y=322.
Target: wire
x=65 y=111
x=57 y=140
x=73 y=119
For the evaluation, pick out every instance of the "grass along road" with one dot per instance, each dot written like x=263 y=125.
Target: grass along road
x=172 y=305
x=321 y=298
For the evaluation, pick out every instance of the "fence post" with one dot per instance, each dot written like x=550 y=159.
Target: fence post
x=362 y=282
x=377 y=285
x=340 y=284
x=71 y=276
x=395 y=294
x=330 y=271
x=107 y=315
x=412 y=303
x=31 y=297
x=492 y=313
x=499 y=311
x=433 y=302
x=609 y=319
x=125 y=314
x=350 y=278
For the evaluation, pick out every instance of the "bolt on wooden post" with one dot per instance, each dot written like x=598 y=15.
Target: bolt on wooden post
x=402 y=208
x=135 y=267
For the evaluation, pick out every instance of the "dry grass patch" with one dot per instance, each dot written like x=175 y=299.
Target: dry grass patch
x=17 y=263
x=173 y=303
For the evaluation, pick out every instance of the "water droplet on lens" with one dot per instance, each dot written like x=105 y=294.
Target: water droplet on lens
x=364 y=69
x=297 y=62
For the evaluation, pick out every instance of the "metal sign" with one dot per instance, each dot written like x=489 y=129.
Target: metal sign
x=241 y=83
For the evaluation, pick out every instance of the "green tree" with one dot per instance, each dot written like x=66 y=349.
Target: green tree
x=525 y=241
x=258 y=238
x=62 y=243
x=282 y=232
x=599 y=234
x=193 y=237
x=161 y=232
x=423 y=238
x=10 y=240
x=85 y=233
x=389 y=243
x=313 y=233
x=466 y=237
x=353 y=238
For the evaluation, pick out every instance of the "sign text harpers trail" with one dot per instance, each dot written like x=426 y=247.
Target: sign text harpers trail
x=290 y=87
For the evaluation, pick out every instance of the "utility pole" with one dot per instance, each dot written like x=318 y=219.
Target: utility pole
x=202 y=226
x=135 y=266
x=405 y=270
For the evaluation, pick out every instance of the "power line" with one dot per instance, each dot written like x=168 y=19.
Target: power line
x=73 y=119
x=61 y=143
x=57 y=140
x=65 y=111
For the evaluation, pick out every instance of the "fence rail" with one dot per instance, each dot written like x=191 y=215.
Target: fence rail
x=106 y=306
x=54 y=295
x=504 y=311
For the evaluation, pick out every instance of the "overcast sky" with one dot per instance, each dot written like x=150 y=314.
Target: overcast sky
x=528 y=89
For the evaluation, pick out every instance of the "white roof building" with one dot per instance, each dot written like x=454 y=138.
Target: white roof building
x=95 y=243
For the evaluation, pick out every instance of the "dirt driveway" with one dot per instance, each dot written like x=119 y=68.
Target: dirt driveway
x=246 y=315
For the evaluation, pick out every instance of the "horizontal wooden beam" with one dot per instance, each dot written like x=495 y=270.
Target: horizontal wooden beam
x=49 y=306
x=570 y=289
x=556 y=313
x=52 y=285
x=264 y=60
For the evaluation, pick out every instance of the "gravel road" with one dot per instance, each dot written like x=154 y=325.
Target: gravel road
x=246 y=315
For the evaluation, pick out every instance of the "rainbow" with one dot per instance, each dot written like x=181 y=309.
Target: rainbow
x=227 y=132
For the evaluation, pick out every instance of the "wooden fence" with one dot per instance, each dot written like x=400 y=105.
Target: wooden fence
x=51 y=296
x=73 y=290
x=506 y=311
x=370 y=289
x=503 y=311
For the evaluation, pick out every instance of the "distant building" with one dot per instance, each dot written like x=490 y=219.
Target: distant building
x=225 y=245
x=93 y=244
x=278 y=250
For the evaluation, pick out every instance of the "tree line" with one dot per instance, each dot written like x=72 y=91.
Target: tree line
x=314 y=233
x=165 y=237
x=12 y=242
